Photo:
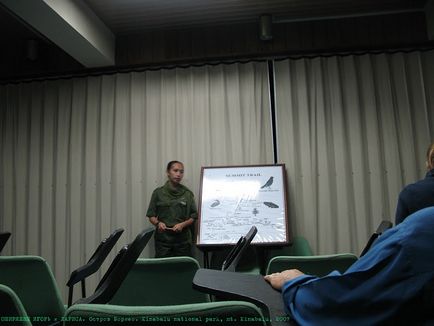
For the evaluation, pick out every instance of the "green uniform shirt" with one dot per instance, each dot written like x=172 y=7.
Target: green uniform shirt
x=172 y=206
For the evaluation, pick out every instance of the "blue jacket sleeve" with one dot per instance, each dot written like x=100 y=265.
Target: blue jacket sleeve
x=379 y=288
x=332 y=300
x=369 y=293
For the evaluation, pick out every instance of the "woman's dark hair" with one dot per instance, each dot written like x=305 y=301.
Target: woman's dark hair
x=171 y=163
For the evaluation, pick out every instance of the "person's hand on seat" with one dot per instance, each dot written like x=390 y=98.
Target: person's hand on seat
x=278 y=279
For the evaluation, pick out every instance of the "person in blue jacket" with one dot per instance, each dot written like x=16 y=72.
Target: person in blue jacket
x=391 y=285
x=417 y=195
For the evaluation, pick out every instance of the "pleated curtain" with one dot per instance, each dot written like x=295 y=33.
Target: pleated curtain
x=352 y=130
x=81 y=156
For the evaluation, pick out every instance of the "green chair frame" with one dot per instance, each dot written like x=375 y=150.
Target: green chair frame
x=319 y=265
x=12 y=308
x=159 y=282
x=31 y=279
x=207 y=313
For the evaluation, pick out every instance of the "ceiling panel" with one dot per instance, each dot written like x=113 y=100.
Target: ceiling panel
x=135 y=16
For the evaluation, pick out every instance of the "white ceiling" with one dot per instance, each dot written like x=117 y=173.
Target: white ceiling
x=125 y=17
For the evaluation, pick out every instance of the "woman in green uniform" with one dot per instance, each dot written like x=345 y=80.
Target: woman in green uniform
x=173 y=211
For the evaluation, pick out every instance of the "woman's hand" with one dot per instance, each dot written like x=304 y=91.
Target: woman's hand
x=161 y=227
x=178 y=227
x=278 y=279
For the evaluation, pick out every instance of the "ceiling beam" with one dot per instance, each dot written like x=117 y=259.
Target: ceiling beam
x=72 y=26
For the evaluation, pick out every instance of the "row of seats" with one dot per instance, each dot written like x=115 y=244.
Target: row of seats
x=151 y=284
x=256 y=259
x=152 y=287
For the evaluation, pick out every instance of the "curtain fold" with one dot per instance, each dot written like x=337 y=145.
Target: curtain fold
x=353 y=131
x=81 y=157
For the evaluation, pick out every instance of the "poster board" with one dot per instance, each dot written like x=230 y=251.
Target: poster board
x=234 y=198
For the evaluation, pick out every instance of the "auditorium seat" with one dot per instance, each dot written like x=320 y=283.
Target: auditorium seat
x=319 y=265
x=208 y=313
x=12 y=309
x=31 y=278
x=160 y=281
x=93 y=264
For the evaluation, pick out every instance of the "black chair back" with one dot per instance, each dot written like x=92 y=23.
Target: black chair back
x=384 y=225
x=4 y=237
x=94 y=263
x=236 y=253
x=119 y=269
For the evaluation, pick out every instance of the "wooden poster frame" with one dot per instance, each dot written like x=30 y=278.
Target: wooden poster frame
x=234 y=198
